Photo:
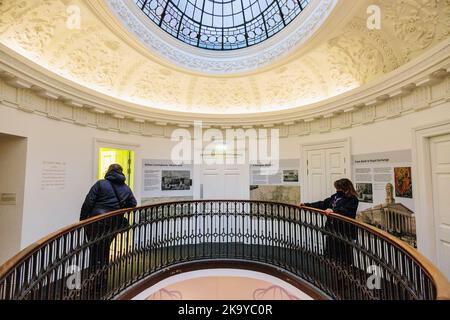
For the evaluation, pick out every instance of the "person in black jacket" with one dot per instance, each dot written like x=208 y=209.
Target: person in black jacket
x=105 y=196
x=102 y=197
x=344 y=202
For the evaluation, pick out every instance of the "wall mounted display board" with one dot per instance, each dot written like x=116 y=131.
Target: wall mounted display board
x=282 y=186
x=53 y=175
x=373 y=172
x=384 y=184
x=165 y=181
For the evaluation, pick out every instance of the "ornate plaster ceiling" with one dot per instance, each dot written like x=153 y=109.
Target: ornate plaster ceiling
x=279 y=44
x=343 y=55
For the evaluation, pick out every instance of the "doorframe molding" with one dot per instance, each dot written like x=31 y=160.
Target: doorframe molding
x=117 y=144
x=423 y=185
x=326 y=144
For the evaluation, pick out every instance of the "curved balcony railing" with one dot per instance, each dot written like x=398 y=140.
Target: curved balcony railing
x=101 y=258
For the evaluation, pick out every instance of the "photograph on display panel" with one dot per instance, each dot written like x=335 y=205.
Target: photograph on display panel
x=365 y=192
x=282 y=194
x=175 y=180
x=290 y=175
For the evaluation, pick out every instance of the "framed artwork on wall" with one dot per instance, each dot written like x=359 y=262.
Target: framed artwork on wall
x=403 y=182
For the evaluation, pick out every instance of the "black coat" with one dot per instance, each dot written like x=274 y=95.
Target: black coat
x=102 y=199
x=343 y=205
x=339 y=203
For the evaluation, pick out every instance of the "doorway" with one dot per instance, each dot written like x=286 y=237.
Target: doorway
x=13 y=155
x=125 y=158
x=440 y=176
x=431 y=173
x=322 y=164
x=107 y=155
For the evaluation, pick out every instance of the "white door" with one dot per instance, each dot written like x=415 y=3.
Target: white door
x=335 y=166
x=324 y=166
x=316 y=171
x=236 y=182
x=440 y=167
x=225 y=182
x=211 y=188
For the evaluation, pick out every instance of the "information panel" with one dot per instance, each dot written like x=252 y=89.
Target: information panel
x=372 y=172
x=164 y=179
x=282 y=186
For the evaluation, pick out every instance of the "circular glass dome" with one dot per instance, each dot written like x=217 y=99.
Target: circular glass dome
x=222 y=24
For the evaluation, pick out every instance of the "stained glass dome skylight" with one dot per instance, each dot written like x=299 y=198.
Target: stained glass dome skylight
x=222 y=24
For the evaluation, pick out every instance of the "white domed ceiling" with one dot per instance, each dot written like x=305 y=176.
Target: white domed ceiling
x=102 y=51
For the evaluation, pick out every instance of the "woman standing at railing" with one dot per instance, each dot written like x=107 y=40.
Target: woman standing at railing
x=105 y=196
x=345 y=202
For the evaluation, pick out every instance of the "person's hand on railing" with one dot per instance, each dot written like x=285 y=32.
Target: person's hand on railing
x=327 y=212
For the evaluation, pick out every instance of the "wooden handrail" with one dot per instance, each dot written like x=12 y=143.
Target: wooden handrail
x=439 y=280
x=21 y=256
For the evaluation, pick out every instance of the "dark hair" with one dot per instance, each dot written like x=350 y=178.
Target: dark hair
x=115 y=167
x=346 y=186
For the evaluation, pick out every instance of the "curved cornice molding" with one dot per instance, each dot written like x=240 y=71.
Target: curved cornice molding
x=419 y=84
x=227 y=62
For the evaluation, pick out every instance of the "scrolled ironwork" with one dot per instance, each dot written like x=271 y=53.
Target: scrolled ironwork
x=102 y=257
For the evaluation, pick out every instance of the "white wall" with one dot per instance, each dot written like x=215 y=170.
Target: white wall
x=48 y=210
x=12 y=164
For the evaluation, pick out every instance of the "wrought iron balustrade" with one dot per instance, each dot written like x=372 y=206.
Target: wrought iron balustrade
x=101 y=258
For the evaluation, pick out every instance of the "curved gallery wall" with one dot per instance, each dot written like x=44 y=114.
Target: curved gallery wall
x=74 y=148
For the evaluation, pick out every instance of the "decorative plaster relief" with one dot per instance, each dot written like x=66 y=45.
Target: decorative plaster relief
x=418 y=23
x=97 y=58
x=31 y=24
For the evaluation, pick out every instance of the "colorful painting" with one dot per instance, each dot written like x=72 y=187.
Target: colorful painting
x=403 y=182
